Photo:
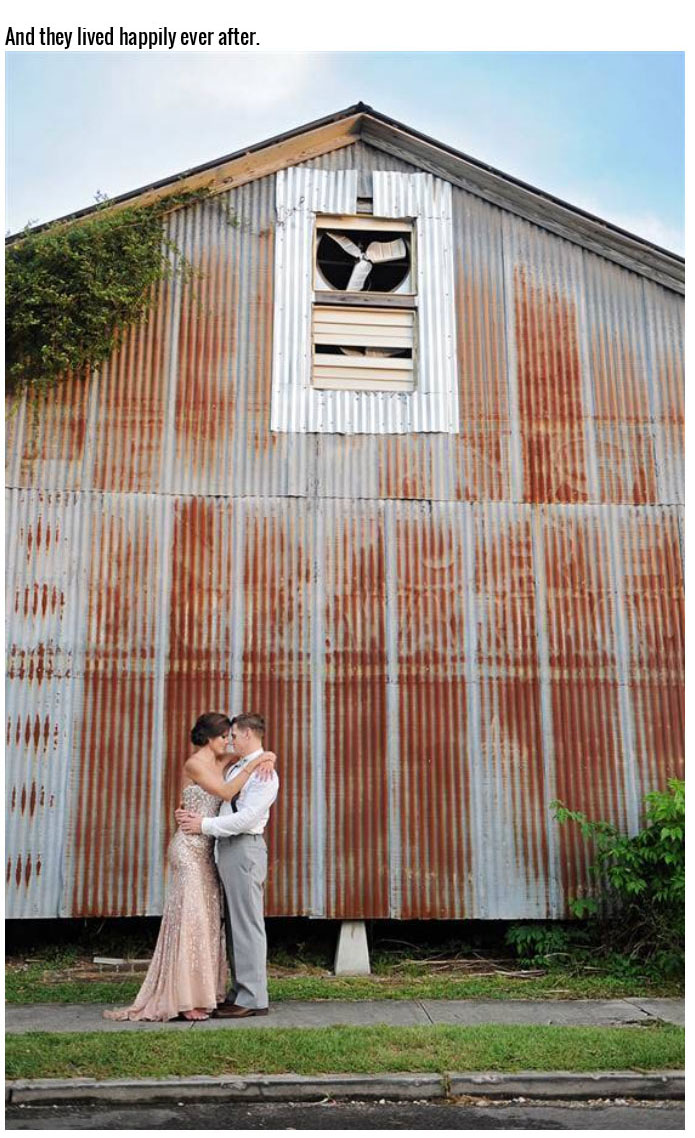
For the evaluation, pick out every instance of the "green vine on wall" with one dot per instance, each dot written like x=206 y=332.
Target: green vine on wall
x=72 y=289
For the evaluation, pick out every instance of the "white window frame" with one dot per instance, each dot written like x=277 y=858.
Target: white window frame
x=303 y=198
x=336 y=373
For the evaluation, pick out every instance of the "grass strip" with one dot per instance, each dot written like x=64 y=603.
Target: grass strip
x=361 y=1050
x=31 y=987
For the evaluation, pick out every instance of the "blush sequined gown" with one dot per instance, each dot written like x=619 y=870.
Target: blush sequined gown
x=188 y=969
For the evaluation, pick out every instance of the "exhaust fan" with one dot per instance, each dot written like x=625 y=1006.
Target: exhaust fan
x=354 y=262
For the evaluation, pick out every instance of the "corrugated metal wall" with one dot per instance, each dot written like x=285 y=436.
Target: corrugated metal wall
x=445 y=631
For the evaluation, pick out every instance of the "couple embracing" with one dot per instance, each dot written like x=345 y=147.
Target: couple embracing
x=226 y=802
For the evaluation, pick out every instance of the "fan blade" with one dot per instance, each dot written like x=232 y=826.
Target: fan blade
x=371 y=352
x=379 y=251
x=358 y=276
x=346 y=243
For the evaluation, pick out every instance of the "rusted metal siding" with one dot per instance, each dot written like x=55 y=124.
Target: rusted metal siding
x=445 y=631
x=277 y=561
x=45 y=614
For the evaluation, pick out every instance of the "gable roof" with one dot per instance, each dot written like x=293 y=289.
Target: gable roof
x=361 y=121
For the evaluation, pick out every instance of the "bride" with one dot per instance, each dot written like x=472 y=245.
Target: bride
x=187 y=975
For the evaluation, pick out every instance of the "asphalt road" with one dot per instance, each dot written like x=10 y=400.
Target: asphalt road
x=356 y=1116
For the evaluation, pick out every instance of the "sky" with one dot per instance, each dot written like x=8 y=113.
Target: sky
x=602 y=130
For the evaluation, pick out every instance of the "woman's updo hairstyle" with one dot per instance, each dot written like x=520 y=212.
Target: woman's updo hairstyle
x=209 y=726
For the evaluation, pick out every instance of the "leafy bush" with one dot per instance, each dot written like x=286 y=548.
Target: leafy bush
x=540 y=945
x=72 y=288
x=642 y=877
x=640 y=881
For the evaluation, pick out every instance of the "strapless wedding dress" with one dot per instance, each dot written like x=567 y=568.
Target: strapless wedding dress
x=188 y=969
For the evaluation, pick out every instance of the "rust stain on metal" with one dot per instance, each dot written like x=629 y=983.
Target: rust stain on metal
x=355 y=693
x=277 y=571
x=507 y=653
x=550 y=400
x=483 y=393
x=407 y=469
x=659 y=728
x=435 y=840
x=198 y=635
x=204 y=412
x=43 y=597
x=117 y=718
x=36 y=668
x=624 y=438
x=254 y=326
x=133 y=404
x=59 y=419
x=587 y=744
x=620 y=382
x=112 y=794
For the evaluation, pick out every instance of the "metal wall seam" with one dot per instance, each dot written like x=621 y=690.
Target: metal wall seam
x=319 y=798
x=394 y=744
x=631 y=789
x=556 y=900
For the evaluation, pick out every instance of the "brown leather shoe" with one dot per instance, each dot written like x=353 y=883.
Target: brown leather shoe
x=235 y=1011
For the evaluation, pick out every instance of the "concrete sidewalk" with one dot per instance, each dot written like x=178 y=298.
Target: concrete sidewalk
x=396 y=1013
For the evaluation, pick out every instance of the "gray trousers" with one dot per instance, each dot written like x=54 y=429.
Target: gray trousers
x=242 y=863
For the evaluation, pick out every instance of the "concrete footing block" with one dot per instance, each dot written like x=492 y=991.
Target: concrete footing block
x=352 y=953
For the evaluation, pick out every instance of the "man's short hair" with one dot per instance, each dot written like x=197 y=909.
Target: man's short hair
x=250 y=721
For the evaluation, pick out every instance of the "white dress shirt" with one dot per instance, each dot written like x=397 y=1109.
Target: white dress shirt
x=253 y=804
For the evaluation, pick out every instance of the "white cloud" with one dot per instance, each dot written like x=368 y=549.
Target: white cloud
x=652 y=228
x=641 y=223
x=236 y=83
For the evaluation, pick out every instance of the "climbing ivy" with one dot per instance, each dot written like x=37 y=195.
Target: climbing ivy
x=72 y=289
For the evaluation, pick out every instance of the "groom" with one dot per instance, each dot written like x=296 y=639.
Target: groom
x=242 y=863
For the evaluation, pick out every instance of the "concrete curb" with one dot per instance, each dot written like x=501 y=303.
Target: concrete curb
x=570 y=1084
x=308 y=1088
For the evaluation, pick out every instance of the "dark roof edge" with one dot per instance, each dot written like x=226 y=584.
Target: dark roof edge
x=364 y=109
